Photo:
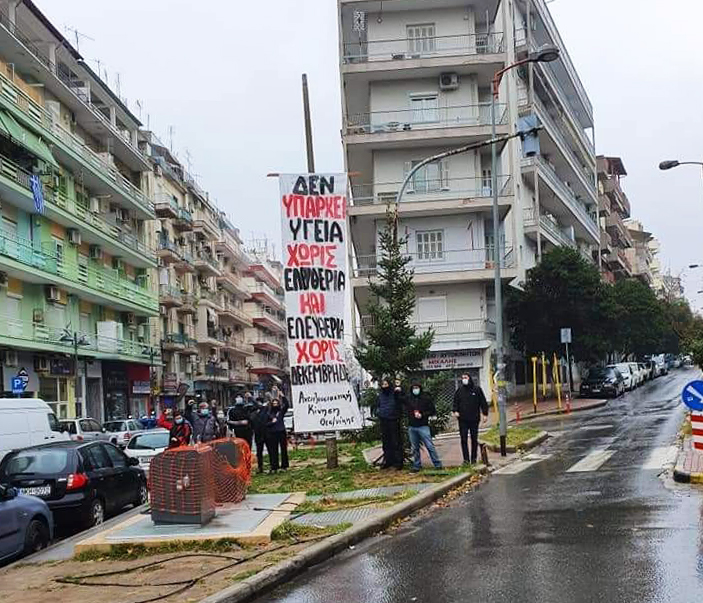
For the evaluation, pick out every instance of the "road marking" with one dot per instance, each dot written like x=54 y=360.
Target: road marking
x=592 y=461
x=659 y=457
x=597 y=427
x=520 y=466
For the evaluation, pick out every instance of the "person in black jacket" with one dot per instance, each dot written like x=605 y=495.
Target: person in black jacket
x=276 y=434
x=258 y=415
x=239 y=420
x=469 y=404
x=420 y=408
x=388 y=408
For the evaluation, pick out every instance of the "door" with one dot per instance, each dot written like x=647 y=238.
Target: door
x=98 y=466
x=126 y=480
x=13 y=317
x=39 y=427
x=10 y=536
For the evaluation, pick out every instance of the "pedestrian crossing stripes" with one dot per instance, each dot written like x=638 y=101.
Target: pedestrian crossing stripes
x=664 y=455
x=524 y=463
x=592 y=461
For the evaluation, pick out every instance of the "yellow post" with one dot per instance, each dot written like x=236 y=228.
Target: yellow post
x=556 y=370
x=544 y=377
x=534 y=383
x=494 y=394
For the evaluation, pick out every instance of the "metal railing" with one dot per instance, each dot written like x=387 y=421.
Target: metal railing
x=202 y=257
x=168 y=245
x=236 y=312
x=469 y=329
x=165 y=201
x=211 y=296
x=404 y=120
x=441 y=260
x=184 y=215
x=422 y=48
x=239 y=345
x=262 y=362
x=428 y=189
x=263 y=288
x=169 y=291
x=261 y=339
x=176 y=339
x=262 y=314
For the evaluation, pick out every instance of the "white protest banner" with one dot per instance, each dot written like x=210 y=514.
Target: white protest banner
x=313 y=212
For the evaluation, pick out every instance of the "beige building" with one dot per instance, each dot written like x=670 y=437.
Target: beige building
x=640 y=254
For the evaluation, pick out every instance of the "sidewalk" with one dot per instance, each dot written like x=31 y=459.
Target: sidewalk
x=689 y=464
x=548 y=407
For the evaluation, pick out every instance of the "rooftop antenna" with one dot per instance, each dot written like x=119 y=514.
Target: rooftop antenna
x=78 y=35
x=189 y=161
x=139 y=107
x=171 y=131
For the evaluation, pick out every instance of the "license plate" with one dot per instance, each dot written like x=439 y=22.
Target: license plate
x=37 y=491
x=145 y=460
x=596 y=390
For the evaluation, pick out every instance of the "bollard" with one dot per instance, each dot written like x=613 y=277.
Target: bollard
x=568 y=404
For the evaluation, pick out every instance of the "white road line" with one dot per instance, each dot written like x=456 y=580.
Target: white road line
x=521 y=465
x=659 y=457
x=592 y=461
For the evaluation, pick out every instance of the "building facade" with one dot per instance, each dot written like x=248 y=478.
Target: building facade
x=416 y=80
x=76 y=293
x=640 y=255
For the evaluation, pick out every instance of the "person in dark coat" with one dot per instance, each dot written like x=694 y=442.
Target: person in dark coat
x=276 y=435
x=239 y=420
x=181 y=431
x=469 y=404
x=388 y=410
x=420 y=407
x=205 y=426
x=258 y=416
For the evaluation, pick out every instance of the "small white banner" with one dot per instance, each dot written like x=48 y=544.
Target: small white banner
x=313 y=213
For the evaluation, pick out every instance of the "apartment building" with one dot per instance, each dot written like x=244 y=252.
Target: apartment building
x=640 y=255
x=614 y=209
x=267 y=335
x=201 y=286
x=75 y=289
x=416 y=80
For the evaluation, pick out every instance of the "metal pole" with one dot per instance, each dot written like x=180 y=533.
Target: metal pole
x=308 y=125
x=571 y=377
x=75 y=370
x=497 y=284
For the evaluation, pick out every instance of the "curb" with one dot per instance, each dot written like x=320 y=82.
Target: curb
x=547 y=413
x=281 y=572
x=526 y=445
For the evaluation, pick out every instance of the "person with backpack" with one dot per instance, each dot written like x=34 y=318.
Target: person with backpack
x=469 y=404
x=420 y=407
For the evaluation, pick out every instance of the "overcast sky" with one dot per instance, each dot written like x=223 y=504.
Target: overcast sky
x=226 y=77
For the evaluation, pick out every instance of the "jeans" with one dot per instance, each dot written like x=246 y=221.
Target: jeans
x=260 y=439
x=392 y=441
x=422 y=435
x=466 y=428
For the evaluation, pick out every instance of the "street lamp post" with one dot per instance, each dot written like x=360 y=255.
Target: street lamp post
x=670 y=164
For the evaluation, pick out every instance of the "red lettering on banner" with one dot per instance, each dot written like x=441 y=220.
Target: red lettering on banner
x=331 y=207
x=305 y=254
x=312 y=303
x=317 y=351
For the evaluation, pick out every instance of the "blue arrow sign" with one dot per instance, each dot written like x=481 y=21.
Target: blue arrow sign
x=692 y=395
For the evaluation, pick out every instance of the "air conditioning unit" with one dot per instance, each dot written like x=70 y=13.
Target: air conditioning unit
x=163 y=311
x=449 y=81
x=95 y=205
x=41 y=364
x=53 y=294
x=130 y=319
x=118 y=263
x=38 y=315
x=74 y=236
x=96 y=252
x=11 y=358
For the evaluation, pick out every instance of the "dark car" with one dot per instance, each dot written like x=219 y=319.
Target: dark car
x=603 y=382
x=26 y=524
x=81 y=482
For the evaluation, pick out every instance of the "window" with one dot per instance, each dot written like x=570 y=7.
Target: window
x=95 y=457
x=486 y=183
x=431 y=178
x=432 y=310
x=421 y=38
x=13 y=316
x=425 y=108
x=119 y=461
x=430 y=245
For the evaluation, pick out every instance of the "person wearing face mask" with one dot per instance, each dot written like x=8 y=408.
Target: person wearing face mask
x=420 y=408
x=276 y=435
x=239 y=420
x=205 y=427
x=469 y=404
x=180 y=432
x=388 y=409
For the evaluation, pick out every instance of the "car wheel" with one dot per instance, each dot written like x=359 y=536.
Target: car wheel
x=96 y=513
x=142 y=495
x=36 y=538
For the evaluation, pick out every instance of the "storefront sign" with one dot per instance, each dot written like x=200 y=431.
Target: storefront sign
x=170 y=382
x=60 y=366
x=141 y=387
x=314 y=232
x=25 y=370
x=454 y=359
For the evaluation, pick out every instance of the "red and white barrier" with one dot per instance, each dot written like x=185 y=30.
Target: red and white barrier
x=697 y=425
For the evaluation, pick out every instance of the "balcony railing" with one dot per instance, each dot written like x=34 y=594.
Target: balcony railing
x=550 y=225
x=212 y=296
x=441 y=260
x=264 y=289
x=267 y=363
x=212 y=262
x=103 y=281
x=236 y=313
x=612 y=187
x=405 y=120
x=470 y=329
x=238 y=344
x=170 y=292
x=428 y=189
x=13 y=330
x=176 y=339
x=259 y=339
x=261 y=314
x=422 y=48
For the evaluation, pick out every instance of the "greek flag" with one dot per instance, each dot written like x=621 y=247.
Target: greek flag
x=38 y=192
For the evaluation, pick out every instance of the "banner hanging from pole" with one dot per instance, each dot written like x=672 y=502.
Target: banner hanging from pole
x=315 y=280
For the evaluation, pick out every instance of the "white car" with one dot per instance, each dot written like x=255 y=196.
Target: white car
x=626 y=372
x=119 y=432
x=146 y=445
x=638 y=376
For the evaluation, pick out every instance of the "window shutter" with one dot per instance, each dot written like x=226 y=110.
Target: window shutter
x=407 y=167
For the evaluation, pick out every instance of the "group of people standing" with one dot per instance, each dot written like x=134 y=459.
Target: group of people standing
x=468 y=405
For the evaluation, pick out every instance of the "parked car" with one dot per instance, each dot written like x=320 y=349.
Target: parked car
x=652 y=367
x=638 y=377
x=119 y=432
x=646 y=371
x=81 y=482
x=27 y=422
x=662 y=366
x=84 y=430
x=26 y=524
x=603 y=382
x=626 y=373
x=145 y=446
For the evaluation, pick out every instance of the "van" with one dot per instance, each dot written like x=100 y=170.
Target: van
x=27 y=422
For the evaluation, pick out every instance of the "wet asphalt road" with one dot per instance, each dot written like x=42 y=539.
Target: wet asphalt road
x=593 y=520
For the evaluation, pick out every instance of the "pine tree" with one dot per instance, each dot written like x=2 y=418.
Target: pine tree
x=392 y=345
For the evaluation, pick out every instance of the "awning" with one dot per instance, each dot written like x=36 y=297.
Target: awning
x=26 y=138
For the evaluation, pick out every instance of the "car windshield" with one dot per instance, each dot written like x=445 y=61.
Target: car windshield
x=599 y=373
x=623 y=368
x=43 y=462
x=114 y=426
x=149 y=441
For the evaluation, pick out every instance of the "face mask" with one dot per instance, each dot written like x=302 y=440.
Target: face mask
x=239 y=400
x=204 y=412
x=416 y=391
x=385 y=387
x=465 y=381
x=179 y=420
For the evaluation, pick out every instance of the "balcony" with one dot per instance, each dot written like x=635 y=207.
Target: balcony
x=617 y=196
x=170 y=297
x=188 y=304
x=238 y=315
x=38 y=337
x=549 y=228
x=211 y=299
x=165 y=206
x=210 y=338
x=233 y=283
x=451 y=333
x=212 y=372
x=262 y=293
x=618 y=262
x=267 y=343
x=431 y=51
x=168 y=252
x=174 y=342
x=183 y=220
x=91 y=281
x=185 y=262
x=264 y=273
x=231 y=249
x=205 y=263
x=606 y=243
x=206 y=224
x=604 y=206
x=267 y=365
x=238 y=346
x=95 y=228
x=238 y=376
x=618 y=230
x=269 y=321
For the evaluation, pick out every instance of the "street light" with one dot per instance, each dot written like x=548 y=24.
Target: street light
x=544 y=54
x=672 y=163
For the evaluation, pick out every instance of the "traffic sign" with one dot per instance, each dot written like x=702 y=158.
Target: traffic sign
x=692 y=396
x=566 y=335
x=18 y=385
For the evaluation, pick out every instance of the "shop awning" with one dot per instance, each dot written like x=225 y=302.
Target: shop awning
x=26 y=138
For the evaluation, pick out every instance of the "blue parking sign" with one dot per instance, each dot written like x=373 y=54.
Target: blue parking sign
x=18 y=385
x=692 y=395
